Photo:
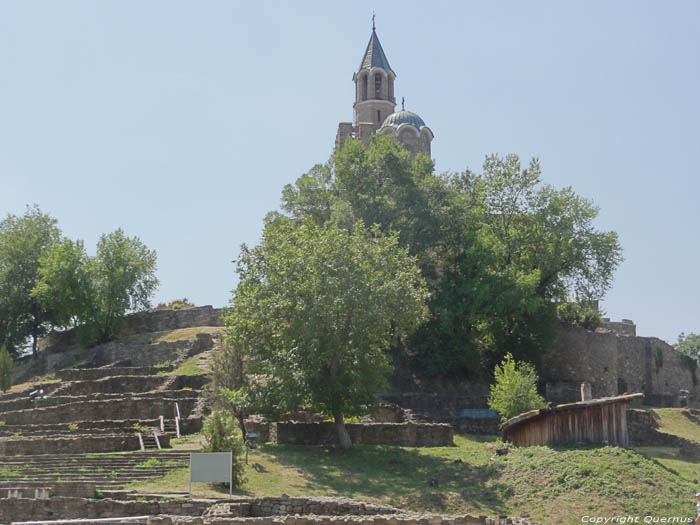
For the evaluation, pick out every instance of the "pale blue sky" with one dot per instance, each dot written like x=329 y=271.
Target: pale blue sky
x=181 y=121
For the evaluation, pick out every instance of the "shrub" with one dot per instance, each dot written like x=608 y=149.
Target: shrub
x=175 y=304
x=5 y=369
x=220 y=436
x=515 y=389
x=584 y=314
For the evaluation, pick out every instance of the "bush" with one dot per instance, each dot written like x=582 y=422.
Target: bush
x=515 y=389
x=584 y=314
x=5 y=369
x=220 y=436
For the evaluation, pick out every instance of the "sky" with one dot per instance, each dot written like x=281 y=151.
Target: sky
x=181 y=122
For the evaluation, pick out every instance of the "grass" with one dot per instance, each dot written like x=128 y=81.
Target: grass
x=549 y=484
x=187 y=368
x=153 y=462
x=180 y=334
x=7 y=472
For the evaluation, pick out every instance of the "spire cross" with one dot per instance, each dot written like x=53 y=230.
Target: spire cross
x=373 y=15
x=402 y=101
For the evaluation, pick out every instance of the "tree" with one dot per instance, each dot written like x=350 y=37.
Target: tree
x=5 y=369
x=499 y=250
x=220 y=436
x=688 y=344
x=515 y=389
x=23 y=242
x=234 y=390
x=64 y=287
x=316 y=308
x=122 y=277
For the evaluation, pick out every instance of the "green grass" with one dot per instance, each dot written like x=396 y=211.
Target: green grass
x=187 y=368
x=7 y=472
x=153 y=462
x=549 y=484
x=672 y=421
x=180 y=334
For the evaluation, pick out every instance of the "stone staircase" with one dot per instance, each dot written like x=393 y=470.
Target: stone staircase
x=86 y=475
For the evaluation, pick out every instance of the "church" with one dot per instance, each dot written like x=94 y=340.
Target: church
x=375 y=104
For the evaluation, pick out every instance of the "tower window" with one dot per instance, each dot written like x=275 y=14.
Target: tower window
x=377 y=85
x=364 y=87
x=379 y=116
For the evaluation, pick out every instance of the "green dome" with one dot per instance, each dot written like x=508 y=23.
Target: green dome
x=403 y=117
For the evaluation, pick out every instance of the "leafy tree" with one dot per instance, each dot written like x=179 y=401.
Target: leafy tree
x=515 y=389
x=316 y=308
x=64 y=286
x=122 y=277
x=688 y=344
x=23 y=242
x=5 y=369
x=499 y=250
x=234 y=390
x=220 y=436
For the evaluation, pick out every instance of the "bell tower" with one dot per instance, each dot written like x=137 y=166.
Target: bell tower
x=374 y=94
x=374 y=85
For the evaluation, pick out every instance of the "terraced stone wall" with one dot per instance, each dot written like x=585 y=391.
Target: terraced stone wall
x=118 y=409
x=397 y=434
x=154 y=321
x=69 y=445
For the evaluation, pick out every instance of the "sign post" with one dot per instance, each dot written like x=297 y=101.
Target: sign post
x=211 y=467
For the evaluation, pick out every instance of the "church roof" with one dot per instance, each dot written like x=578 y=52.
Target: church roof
x=403 y=117
x=374 y=55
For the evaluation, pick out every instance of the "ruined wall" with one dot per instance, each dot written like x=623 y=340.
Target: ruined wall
x=396 y=434
x=71 y=445
x=615 y=364
x=124 y=408
x=141 y=322
x=580 y=356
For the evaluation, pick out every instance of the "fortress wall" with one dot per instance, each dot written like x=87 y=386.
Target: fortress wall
x=580 y=355
x=615 y=364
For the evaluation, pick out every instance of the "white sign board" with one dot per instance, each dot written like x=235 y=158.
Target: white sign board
x=210 y=467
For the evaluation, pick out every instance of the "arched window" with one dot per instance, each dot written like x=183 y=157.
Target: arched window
x=379 y=116
x=391 y=89
x=377 y=85
x=364 y=88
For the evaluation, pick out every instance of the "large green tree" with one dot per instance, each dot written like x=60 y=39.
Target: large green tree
x=688 y=344
x=499 y=250
x=64 y=286
x=24 y=240
x=316 y=309
x=122 y=278
x=5 y=369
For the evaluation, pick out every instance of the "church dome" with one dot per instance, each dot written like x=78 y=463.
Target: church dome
x=403 y=117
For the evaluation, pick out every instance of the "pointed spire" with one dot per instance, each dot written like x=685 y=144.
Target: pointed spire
x=374 y=54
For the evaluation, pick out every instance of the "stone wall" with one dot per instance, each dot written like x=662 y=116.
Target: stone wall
x=613 y=365
x=141 y=322
x=643 y=425
x=70 y=445
x=28 y=489
x=137 y=355
x=439 y=405
x=397 y=434
x=238 y=511
x=20 y=509
x=396 y=519
x=124 y=408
